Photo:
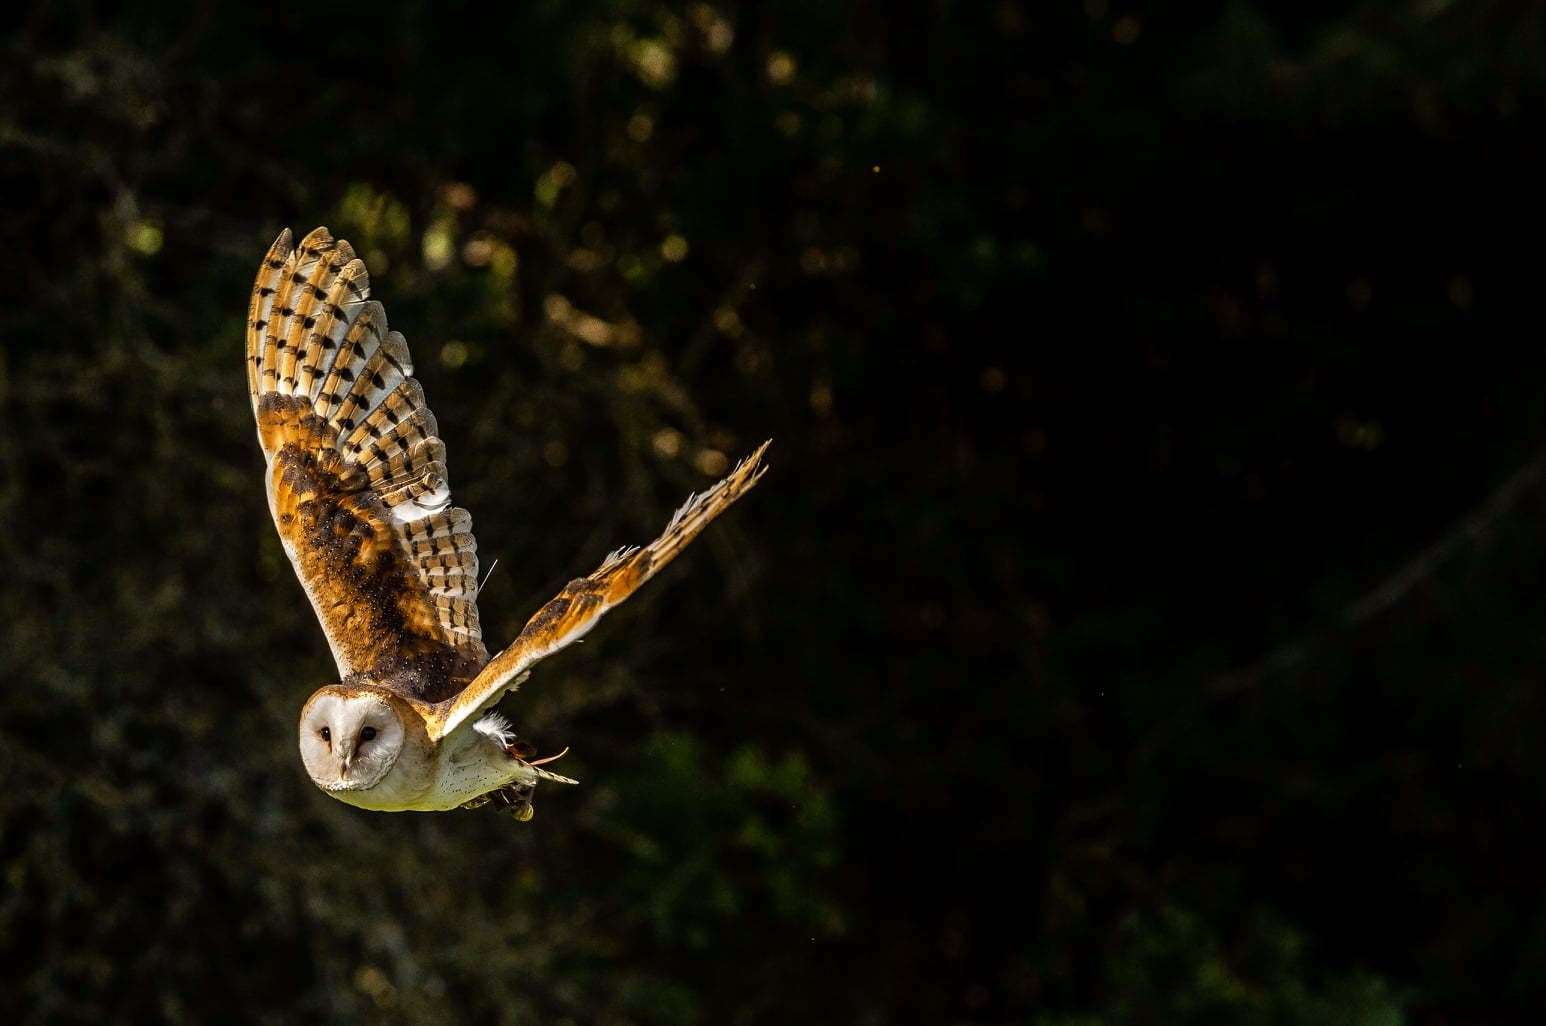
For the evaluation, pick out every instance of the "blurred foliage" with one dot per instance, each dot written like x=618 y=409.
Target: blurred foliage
x=1114 y=352
x=1168 y=967
x=752 y=826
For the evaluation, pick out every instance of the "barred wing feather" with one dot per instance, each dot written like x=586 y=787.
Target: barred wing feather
x=356 y=473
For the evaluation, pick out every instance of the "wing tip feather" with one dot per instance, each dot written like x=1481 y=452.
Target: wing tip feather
x=742 y=479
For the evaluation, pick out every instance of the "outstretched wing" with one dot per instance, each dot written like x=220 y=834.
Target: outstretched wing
x=582 y=602
x=356 y=474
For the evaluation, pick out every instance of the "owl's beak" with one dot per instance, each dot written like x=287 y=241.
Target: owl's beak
x=344 y=769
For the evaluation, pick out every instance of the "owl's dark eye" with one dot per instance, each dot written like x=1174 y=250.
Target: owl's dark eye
x=368 y=734
x=327 y=735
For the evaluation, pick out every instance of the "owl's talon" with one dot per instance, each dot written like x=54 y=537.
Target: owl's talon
x=515 y=800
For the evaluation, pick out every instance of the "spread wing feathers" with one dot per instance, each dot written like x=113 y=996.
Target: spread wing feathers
x=357 y=474
x=582 y=602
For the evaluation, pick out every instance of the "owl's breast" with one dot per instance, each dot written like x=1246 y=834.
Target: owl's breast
x=405 y=786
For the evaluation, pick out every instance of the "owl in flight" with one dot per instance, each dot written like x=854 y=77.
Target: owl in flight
x=357 y=486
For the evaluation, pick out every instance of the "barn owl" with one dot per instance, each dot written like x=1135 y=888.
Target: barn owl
x=356 y=482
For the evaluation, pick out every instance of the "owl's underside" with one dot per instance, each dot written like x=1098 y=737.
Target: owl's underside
x=357 y=487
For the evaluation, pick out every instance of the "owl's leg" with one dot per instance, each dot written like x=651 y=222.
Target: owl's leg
x=509 y=759
x=515 y=799
x=512 y=798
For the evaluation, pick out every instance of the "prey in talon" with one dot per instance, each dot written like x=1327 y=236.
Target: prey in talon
x=355 y=473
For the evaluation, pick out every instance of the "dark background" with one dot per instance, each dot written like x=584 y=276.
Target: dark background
x=1142 y=621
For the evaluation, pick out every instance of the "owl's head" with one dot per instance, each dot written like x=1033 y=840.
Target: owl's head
x=350 y=738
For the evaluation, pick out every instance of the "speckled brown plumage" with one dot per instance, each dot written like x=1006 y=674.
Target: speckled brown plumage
x=353 y=564
x=357 y=481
